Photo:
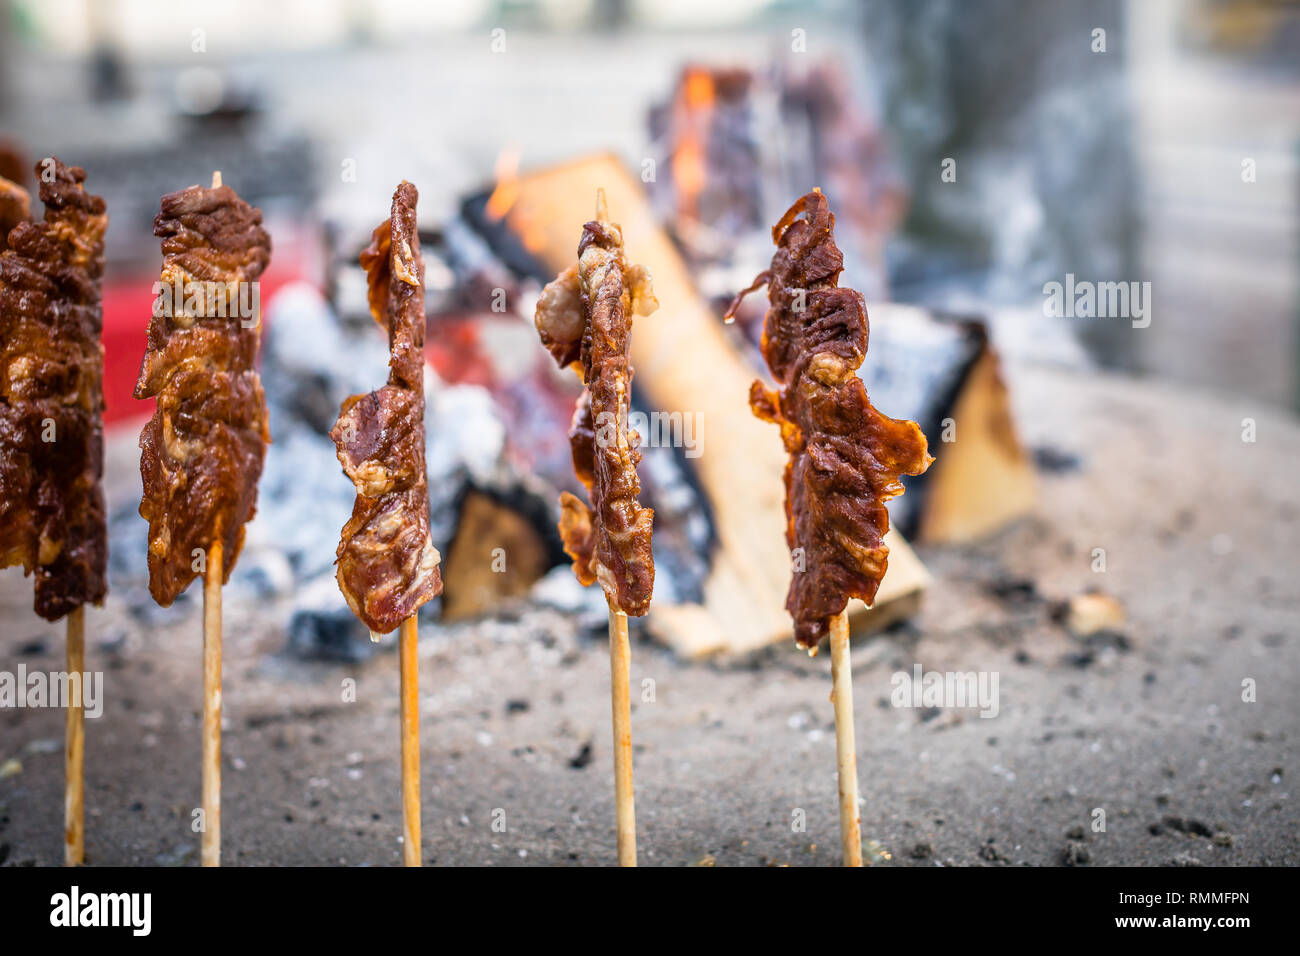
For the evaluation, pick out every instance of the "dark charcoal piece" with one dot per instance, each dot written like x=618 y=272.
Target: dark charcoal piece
x=329 y=635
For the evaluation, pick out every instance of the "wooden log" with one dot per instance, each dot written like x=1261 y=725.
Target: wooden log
x=496 y=554
x=686 y=364
x=983 y=479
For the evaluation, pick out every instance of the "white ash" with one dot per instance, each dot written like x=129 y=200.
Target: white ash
x=310 y=363
x=559 y=589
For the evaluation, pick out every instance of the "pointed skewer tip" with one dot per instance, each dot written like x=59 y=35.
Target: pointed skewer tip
x=216 y=179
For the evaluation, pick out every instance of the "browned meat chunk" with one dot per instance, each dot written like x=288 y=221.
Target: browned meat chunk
x=51 y=390
x=845 y=457
x=15 y=207
x=387 y=564
x=584 y=317
x=201 y=453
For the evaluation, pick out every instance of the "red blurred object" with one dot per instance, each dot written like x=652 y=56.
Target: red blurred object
x=454 y=349
x=128 y=303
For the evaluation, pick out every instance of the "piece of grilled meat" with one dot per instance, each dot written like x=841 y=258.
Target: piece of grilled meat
x=845 y=457
x=387 y=564
x=584 y=318
x=201 y=453
x=51 y=390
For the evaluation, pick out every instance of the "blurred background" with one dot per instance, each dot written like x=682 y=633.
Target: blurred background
x=1109 y=523
x=1125 y=164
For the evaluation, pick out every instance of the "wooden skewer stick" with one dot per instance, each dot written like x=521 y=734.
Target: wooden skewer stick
x=211 y=840
x=620 y=658
x=845 y=748
x=74 y=845
x=410 y=694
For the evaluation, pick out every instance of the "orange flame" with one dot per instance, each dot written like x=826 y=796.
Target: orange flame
x=688 y=162
x=503 y=203
x=531 y=232
x=699 y=89
x=507 y=184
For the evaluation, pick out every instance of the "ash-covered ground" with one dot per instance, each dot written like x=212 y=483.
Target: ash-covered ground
x=1145 y=721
